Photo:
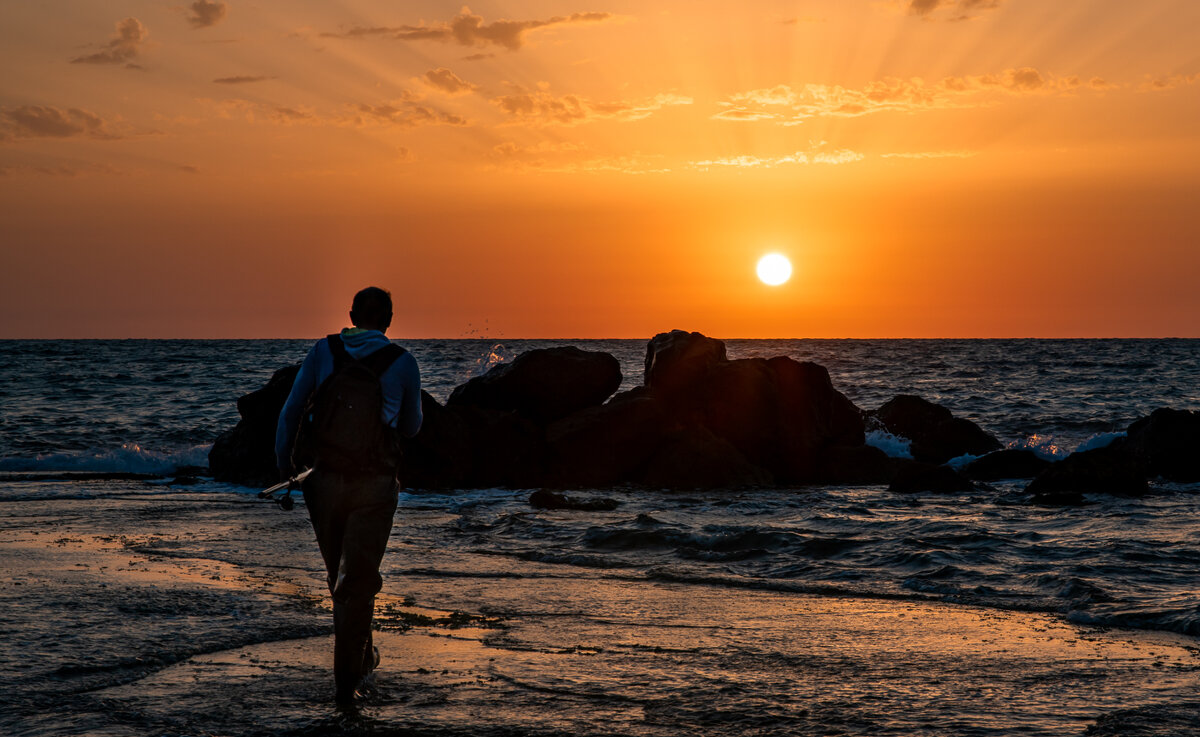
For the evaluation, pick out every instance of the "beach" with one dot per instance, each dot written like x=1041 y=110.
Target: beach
x=171 y=610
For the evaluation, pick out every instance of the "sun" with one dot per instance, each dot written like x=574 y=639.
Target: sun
x=774 y=269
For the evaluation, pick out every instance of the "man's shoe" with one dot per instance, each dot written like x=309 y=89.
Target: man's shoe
x=368 y=679
x=350 y=701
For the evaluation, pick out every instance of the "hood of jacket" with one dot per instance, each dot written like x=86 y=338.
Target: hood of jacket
x=361 y=342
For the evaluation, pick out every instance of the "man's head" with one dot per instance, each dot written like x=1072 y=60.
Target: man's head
x=372 y=309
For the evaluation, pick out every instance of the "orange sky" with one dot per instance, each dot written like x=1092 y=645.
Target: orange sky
x=933 y=168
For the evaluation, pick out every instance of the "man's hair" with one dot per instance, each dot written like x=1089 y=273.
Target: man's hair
x=372 y=306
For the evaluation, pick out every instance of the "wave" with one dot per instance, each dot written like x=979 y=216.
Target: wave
x=894 y=445
x=130 y=458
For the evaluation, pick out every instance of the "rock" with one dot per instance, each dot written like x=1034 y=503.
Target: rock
x=678 y=360
x=546 y=499
x=813 y=416
x=246 y=454
x=915 y=476
x=508 y=449
x=1006 y=464
x=859 y=464
x=1168 y=443
x=1110 y=470
x=697 y=459
x=544 y=384
x=606 y=445
x=780 y=414
x=936 y=435
x=441 y=456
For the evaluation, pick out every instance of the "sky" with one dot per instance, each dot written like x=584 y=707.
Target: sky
x=600 y=168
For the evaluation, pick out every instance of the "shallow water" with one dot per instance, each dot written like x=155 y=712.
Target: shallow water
x=200 y=613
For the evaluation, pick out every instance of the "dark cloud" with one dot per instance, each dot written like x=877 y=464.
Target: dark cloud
x=123 y=48
x=479 y=57
x=447 y=81
x=405 y=112
x=41 y=121
x=468 y=29
x=206 y=13
x=959 y=9
x=240 y=80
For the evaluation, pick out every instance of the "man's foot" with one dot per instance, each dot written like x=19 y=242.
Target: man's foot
x=350 y=701
x=368 y=679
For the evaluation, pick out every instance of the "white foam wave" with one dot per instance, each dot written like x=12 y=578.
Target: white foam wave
x=962 y=460
x=1100 y=440
x=129 y=458
x=894 y=445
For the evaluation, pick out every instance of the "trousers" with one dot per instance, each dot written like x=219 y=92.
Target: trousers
x=352 y=517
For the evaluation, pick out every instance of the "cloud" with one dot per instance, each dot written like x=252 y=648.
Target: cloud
x=40 y=121
x=468 y=29
x=405 y=112
x=540 y=107
x=240 y=80
x=1162 y=84
x=123 y=48
x=254 y=112
x=954 y=10
x=444 y=80
x=479 y=57
x=206 y=13
x=818 y=154
x=792 y=105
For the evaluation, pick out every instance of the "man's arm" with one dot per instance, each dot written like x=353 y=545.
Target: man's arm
x=404 y=378
x=289 y=416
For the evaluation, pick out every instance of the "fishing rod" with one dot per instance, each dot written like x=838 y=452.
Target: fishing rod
x=285 y=502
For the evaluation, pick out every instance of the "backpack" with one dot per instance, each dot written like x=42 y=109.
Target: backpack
x=342 y=427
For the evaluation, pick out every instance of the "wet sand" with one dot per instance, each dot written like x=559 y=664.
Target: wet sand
x=145 y=611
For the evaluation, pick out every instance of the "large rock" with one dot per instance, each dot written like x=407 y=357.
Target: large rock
x=779 y=413
x=936 y=435
x=1006 y=464
x=1168 y=443
x=606 y=445
x=676 y=362
x=1110 y=470
x=246 y=454
x=697 y=459
x=508 y=448
x=442 y=455
x=544 y=384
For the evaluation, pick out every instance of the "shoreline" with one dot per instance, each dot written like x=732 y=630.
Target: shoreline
x=199 y=611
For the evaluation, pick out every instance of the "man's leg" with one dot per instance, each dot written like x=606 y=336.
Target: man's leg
x=367 y=527
x=324 y=497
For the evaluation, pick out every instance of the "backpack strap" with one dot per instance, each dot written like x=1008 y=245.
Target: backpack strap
x=382 y=359
x=338 y=349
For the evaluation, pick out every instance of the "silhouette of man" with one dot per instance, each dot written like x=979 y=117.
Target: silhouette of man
x=351 y=506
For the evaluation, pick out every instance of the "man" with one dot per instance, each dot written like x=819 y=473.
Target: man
x=351 y=494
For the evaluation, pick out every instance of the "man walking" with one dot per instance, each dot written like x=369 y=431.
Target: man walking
x=354 y=393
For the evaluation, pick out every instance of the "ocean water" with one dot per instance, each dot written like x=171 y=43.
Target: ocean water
x=153 y=406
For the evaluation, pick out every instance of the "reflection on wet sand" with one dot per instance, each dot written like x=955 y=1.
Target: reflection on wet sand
x=205 y=613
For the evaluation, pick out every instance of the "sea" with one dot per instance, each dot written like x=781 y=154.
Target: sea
x=151 y=409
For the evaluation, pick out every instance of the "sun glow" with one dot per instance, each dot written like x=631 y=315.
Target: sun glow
x=774 y=269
